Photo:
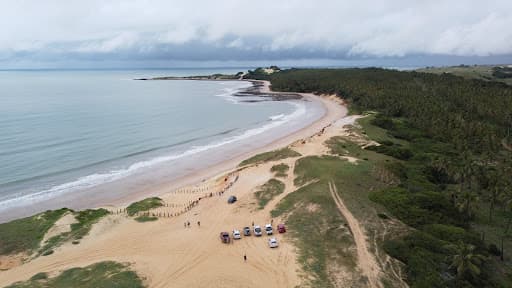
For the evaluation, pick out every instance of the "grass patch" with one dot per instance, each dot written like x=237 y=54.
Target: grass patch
x=107 y=274
x=271 y=156
x=47 y=252
x=280 y=170
x=85 y=218
x=24 y=235
x=268 y=191
x=145 y=218
x=319 y=232
x=39 y=276
x=144 y=205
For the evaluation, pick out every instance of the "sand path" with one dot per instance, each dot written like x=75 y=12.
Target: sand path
x=366 y=260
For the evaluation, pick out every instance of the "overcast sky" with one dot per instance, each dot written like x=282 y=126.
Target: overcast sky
x=166 y=33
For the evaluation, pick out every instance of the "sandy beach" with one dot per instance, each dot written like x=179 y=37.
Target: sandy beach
x=160 y=180
x=167 y=254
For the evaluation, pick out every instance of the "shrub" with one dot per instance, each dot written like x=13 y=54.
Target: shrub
x=144 y=205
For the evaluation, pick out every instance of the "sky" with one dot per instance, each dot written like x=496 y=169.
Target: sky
x=165 y=34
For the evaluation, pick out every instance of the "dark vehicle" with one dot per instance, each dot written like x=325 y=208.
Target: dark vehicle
x=247 y=231
x=257 y=230
x=224 y=237
x=231 y=199
x=281 y=228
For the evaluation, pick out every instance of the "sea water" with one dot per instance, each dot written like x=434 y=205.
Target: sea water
x=68 y=133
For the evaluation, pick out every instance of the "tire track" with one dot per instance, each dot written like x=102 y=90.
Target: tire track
x=366 y=260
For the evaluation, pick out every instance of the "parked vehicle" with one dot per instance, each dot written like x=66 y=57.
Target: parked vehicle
x=232 y=199
x=281 y=228
x=247 y=231
x=224 y=237
x=272 y=242
x=257 y=230
x=268 y=229
x=236 y=234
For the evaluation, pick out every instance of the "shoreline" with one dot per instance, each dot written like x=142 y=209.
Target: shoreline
x=165 y=251
x=333 y=111
x=80 y=201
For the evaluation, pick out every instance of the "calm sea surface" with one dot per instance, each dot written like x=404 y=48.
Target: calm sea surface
x=65 y=132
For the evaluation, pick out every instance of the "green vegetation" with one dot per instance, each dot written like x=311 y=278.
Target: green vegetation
x=105 y=274
x=280 y=170
x=24 y=235
x=146 y=218
x=502 y=72
x=47 y=252
x=262 y=73
x=85 y=220
x=271 y=156
x=268 y=191
x=319 y=230
x=144 y=205
x=39 y=276
x=447 y=140
x=480 y=72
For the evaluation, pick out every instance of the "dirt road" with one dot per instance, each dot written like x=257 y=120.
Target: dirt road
x=366 y=260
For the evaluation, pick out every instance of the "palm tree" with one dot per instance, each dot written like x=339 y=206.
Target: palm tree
x=466 y=204
x=465 y=261
x=508 y=206
x=495 y=190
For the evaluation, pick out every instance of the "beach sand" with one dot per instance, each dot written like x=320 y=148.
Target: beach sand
x=167 y=254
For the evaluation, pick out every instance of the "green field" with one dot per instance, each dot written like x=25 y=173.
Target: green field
x=480 y=72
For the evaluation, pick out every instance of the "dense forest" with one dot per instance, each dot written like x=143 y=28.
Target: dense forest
x=452 y=144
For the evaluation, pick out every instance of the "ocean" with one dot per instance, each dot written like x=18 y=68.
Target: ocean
x=65 y=133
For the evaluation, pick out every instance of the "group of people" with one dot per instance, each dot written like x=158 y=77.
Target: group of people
x=187 y=224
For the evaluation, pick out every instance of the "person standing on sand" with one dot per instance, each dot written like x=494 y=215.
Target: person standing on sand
x=199 y=223
x=245 y=258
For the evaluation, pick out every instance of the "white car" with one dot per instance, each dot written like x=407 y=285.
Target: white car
x=268 y=229
x=272 y=243
x=236 y=234
x=257 y=230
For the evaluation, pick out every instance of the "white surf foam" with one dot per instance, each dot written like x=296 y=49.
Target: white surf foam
x=276 y=117
x=96 y=179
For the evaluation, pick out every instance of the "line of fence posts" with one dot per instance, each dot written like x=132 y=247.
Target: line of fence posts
x=188 y=206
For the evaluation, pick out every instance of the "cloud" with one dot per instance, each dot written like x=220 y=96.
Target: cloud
x=241 y=30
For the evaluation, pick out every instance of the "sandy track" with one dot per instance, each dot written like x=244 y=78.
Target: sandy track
x=366 y=260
